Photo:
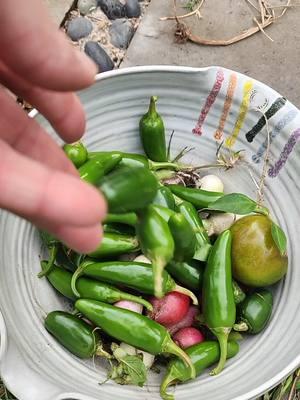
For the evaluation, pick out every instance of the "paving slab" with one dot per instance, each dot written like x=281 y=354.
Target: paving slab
x=58 y=9
x=274 y=63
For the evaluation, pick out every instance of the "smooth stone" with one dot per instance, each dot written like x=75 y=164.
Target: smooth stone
x=121 y=32
x=132 y=9
x=99 y=56
x=79 y=28
x=86 y=6
x=113 y=9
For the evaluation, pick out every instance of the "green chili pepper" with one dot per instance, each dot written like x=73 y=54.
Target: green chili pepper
x=94 y=170
x=73 y=333
x=164 y=198
x=184 y=237
x=128 y=189
x=113 y=245
x=189 y=274
x=147 y=334
x=255 y=311
x=135 y=275
x=52 y=244
x=238 y=293
x=152 y=133
x=89 y=289
x=198 y=197
x=203 y=355
x=218 y=302
x=203 y=245
x=63 y=260
x=77 y=153
x=156 y=243
x=137 y=160
x=120 y=229
x=164 y=212
x=129 y=218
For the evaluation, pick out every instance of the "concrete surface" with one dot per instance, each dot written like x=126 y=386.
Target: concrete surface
x=58 y=9
x=274 y=63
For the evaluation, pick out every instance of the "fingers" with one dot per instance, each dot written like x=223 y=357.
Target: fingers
x=26 y=136
x=63 y=110
x=34 y=191
x=47 y=60
x=81 y=239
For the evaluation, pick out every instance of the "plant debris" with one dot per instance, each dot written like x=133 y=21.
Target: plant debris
x=266 y=16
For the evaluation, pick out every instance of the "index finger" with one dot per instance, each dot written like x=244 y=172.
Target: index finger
x=35 y=49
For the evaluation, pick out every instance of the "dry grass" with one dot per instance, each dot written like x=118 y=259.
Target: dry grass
x=263 y=13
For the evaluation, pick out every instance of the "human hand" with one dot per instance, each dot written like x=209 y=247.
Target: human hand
x=37 y=181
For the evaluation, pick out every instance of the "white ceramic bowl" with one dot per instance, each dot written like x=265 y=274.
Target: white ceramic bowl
x=33 y=365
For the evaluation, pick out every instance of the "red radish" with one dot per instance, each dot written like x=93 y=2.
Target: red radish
x=130 y=305
x=187 y=321
x=186 y=337
x=170 y=309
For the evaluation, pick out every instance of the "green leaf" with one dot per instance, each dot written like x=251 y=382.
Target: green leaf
x=279 y=238
x=298 y=385
x=235 y=203
x=136 y=369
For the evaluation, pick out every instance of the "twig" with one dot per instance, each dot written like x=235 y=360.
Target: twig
x=183 y=34
x=285 y=9
x=262 y=29
x=190 y=14
x=254 y=6
x=262 y=13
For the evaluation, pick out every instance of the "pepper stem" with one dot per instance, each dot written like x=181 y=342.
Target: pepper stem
x=75 y=276
x=167 y=381
x=241 y=327
x=170 y=347
x=155 y=165
x=164 y=174
x=50 y=265
x=222 y=336
x=152 y=107
x=183 y=290
x=158 y=268
x=137 y=299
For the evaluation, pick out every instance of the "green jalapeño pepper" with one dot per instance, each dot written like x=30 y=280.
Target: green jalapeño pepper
x=114 y=245
x=203 y=245
x=61 y=279
x=73 y=333
x=64 y=260
x=157 y=244
x=164 y=212
x=255 y=311
x=129 y=218
x=198 y=197
x=189 y=274
x=152 y=133
x=118 y=323
x=94 y=170
x=164 y=198
x=219 y=309
x=203 y=355
x=120 y=229
x=184 y=237
x=135 y=275
x=128 y=189
x=138 y=160
x=77 y=153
